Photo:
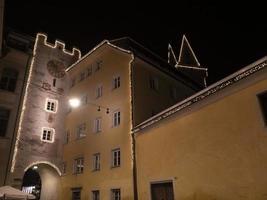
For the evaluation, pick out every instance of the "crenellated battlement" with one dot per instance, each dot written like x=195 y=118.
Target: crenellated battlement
x=41 y=38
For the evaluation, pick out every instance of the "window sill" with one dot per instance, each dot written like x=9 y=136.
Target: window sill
x=113 y=167
x=95 y=170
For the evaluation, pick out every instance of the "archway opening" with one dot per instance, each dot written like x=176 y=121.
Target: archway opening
x=43 y=181
x=32 y=182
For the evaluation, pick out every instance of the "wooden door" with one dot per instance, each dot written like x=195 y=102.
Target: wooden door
x=162 y=191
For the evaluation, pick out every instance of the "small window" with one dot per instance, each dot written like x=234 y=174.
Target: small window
x=48 y=134
x=67 y=137
x=78 y=165
x=173 y=93
x=4 y=116
x=76 y=194
x=116 y=158
x=96 y=162
x=89 y=71
x=116 y=194
x=82 y=76
x=72 y=82
x=8 y=79
x=153 y=83
x=84 y=100
x=64 y=167
x=81 y=130
x=54 y=82
x=263 y=103
x=51 y=105
x=95 y=195
x=116 y=82
x=116 y=118
x=97 y=125
x=99 y=91
x=98 y=65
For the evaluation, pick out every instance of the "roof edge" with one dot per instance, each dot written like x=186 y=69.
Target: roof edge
x=214 y=88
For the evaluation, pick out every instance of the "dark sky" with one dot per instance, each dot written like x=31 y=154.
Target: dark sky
x=225 y=38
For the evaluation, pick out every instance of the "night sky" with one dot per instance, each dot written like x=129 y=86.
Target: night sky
x=225 y=38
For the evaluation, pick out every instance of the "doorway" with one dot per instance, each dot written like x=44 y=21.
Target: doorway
x=162 y=191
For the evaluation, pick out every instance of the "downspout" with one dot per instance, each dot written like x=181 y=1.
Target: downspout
x=135 y=189
x=17 y=116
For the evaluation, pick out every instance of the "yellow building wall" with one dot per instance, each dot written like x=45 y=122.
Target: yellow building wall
x=217 y=152
x=114 y=63
x=146 y=99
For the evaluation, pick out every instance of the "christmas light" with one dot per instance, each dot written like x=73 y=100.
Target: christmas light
x=94 y=49
x=21 y=117
x=59 y=43
x=214 y=88
x=180 y=54
x=35 y=167
x=38 y=163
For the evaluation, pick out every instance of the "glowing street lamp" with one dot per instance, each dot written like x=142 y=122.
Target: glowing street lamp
x=74 y=102
x=35 y=167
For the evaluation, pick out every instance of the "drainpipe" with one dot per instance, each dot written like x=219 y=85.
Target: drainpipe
x=17 y=116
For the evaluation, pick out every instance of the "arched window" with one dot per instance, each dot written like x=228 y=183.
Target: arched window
x=8 y=79
x=4 y=115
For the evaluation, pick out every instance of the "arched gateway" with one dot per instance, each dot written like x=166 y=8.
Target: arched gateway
x=43 y=180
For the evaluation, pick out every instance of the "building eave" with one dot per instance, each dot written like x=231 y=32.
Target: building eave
x=95 y=49
x=205 y=93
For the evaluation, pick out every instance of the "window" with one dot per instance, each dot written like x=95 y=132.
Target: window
x=51 y=105
x=48 y=134
x=95 y=195
x=99 y=91
x=98 y=65
x=67 y=137
x=82 y=76
x=263 y=103
x=76 y=194
x=116 y=82
x=89 y=71
x=97 y=125
x=84 y=100
x=116 y=118
x=78 y=165
x=115 y=194
x=72 y=82
x=4 y=116
x=81 y=130
x=96 y=161
x=8 y=79
x=64 y=167
x=153 y=83
x=54 y=82
x=173 y=93
x=116 y=158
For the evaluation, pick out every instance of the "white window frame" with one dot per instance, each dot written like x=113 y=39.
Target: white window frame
x=97 y=125
x=113 y=194
x=116 y=82
x=51 y=101
x=52 y=134
x=99 y=91
x=116 y=118
x=96 y=162
x=81 y=131
x=116 y=157
x=78 y=165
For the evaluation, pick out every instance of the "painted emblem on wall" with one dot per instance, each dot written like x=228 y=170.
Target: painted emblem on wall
x=56 y=68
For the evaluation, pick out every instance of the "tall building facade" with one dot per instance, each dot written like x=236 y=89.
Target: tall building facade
x=14 y=62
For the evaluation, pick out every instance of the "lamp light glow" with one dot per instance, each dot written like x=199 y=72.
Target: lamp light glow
x=35 y=167
x=74 y=102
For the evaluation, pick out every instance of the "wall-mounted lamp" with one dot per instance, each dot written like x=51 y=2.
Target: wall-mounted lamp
x=74 y=102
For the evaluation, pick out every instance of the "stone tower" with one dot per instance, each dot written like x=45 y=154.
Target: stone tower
x=40 y=128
